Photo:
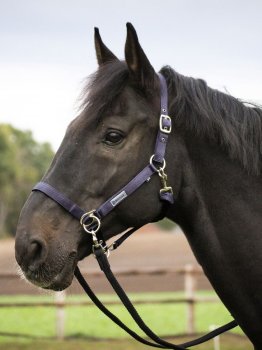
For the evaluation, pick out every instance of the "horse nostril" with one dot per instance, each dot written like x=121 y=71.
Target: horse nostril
x=35 y=249
x=36 y=254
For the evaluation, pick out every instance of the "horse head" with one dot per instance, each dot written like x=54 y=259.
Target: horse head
x=110 y=141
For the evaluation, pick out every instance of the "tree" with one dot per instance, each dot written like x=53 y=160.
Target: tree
x=23 y=162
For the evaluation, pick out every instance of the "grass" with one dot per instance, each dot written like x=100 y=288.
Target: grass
x=227 y=343
x=88 y=322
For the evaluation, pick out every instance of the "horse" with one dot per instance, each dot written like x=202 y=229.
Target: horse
x=213 y=164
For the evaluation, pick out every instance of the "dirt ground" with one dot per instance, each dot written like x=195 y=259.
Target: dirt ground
x=147 y=249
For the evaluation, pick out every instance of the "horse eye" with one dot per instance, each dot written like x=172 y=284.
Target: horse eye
x=113 y=138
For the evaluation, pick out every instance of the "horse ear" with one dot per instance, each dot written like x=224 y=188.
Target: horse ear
x=103 y=54
x=137 y=62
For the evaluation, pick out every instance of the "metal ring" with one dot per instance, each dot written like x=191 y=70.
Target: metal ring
x=94 y=220
x=154 y=167
x=85 y=215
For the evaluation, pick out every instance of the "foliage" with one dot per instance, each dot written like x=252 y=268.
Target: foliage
x=22 y=163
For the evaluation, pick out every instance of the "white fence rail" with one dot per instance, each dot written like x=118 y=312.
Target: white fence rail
x=189 y=272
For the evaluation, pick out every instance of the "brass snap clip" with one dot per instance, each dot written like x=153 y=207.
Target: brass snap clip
x=163 y=178
x=162 y=175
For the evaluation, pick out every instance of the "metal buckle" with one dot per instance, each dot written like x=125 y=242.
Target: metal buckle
x=165 y=129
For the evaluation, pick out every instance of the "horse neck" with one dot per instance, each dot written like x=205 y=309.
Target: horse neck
x=219 y=208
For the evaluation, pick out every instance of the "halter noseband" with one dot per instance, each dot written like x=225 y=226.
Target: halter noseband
x=91 y=220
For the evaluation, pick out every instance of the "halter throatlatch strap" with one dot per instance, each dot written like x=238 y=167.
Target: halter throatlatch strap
x=92 y=220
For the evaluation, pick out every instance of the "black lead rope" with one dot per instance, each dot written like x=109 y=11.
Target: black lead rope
x=105 y=267
x=107 y=312
x=114 y=318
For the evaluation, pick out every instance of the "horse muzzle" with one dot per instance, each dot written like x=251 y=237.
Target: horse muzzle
x=44 y=266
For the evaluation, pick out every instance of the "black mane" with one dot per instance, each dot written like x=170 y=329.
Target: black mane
x=194 y=106
x=218 y=117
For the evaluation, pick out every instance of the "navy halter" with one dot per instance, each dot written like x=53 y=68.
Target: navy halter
x=91 y=220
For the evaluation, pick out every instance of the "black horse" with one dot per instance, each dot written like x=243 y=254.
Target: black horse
x=214 y=166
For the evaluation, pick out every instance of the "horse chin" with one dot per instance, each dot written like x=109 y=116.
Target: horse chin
x=60 y=283
x=62 y=280
x=55 y=281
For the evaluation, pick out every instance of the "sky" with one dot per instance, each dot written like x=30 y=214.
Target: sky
x=47 y=51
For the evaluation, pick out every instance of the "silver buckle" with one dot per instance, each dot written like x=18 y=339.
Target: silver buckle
x=165 y=129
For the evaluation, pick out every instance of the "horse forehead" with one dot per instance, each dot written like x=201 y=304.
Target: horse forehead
x=130 y=102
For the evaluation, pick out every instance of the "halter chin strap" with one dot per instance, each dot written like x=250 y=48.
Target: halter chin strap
x=91 y=220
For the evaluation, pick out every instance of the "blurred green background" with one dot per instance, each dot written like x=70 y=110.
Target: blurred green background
x=23 y=161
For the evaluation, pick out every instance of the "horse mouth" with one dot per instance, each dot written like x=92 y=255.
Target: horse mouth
x=62 y=280
x=54 y=281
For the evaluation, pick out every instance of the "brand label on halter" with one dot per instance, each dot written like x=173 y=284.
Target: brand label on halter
x=117 y=199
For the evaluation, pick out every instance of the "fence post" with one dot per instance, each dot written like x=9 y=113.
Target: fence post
x=190 y=287
x=60 y=314
x=216 y=339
